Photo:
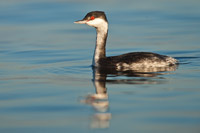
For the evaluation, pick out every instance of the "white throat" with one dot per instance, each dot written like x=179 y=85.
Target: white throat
x=102 y=31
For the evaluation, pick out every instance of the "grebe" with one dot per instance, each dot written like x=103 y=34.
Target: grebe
x=128 y=61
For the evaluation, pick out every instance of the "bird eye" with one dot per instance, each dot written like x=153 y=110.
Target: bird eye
x=92 y=18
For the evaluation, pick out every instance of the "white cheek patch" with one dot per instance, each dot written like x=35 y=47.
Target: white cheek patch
x=96 y=22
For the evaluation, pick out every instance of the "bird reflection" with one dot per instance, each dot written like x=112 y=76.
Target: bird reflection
x=99 y=101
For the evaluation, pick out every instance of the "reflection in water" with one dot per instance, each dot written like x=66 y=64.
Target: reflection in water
x=99 y=101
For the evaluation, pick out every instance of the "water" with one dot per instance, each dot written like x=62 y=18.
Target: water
x=46 y=78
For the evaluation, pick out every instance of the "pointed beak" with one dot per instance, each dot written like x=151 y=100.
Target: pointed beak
x=80 y=22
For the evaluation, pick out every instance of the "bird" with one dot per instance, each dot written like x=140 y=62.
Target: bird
x=127 y=61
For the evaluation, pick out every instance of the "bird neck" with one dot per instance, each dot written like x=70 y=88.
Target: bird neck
x=100 y=48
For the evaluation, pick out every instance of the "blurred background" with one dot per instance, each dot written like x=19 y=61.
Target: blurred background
x=46 y=74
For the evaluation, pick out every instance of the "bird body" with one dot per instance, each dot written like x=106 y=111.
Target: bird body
x=126 y=61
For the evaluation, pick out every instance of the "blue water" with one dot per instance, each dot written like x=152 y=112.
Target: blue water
x=46 y=76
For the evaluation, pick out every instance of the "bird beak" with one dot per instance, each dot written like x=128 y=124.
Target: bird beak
x=80 y=22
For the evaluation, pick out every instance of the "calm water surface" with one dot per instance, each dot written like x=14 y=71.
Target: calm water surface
x=46 y=79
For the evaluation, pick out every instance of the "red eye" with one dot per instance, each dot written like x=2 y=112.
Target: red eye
x=92 y=18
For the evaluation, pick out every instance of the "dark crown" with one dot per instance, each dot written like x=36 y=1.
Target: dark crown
x=96 y=14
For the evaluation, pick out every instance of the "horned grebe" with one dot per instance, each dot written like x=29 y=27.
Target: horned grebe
x=128 y=61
